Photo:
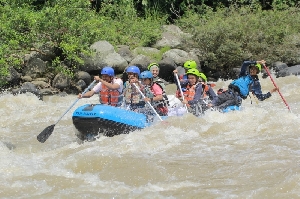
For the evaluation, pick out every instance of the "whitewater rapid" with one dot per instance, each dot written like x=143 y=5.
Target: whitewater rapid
x=253 y=153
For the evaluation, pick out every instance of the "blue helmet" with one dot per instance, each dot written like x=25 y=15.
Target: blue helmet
x=146 y=74
x=133 y=69
x=108 y=71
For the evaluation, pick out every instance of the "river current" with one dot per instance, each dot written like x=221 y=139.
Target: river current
x=253 y=153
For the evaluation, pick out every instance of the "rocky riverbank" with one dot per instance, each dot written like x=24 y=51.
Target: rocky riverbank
x=38 y=77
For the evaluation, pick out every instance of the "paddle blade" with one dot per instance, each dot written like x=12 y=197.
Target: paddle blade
x=45 y=134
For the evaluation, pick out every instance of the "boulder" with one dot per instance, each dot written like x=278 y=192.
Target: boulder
x=125 y=52
x=172 y=36
x=61 y=81
x=28 y=87
x=166 y=68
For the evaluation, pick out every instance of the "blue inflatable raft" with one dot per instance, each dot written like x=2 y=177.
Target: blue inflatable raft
x=93 y=119
x=231 y=108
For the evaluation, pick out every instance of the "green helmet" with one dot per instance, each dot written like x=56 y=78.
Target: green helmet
x=152 y=64
x=203 y=77
x=193 y=71
x=190 y=64
x=258 y=66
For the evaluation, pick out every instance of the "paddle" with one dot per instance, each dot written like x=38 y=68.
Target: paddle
x=148 y=102
x=45 y=134
x=178 y=82
x=267 y=70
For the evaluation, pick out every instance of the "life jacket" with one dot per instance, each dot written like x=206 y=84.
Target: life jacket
x=161 y=105
x=160 y=82
x=190 y=92
x=243 y=83
x=205 y=89
x=108 y=96
x=198 y=108
x=131 y=95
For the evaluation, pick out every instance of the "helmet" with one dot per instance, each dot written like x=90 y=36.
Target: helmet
x=152 y=64
x=108 y=71
x=190 y=64
x=146 y=74
x=203 y=77
x=258 y=66
x=133 y=69
x=193 y=71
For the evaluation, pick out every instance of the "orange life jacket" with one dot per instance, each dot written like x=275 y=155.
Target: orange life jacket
x=205 y=89
x=108 y=96
x=190 y=92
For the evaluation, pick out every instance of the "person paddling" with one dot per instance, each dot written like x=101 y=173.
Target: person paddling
x=208 y=94
x=190 y=64
x=154 y=93
x=194 y=93
x=109 y=88
x=239 y=89
x=132 y=98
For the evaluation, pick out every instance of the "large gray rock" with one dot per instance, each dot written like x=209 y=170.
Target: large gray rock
x=147 y=51
x=103 y=48
x=41 y=84
x=293 y=70
x=116 y=61
x=61 y=82
x=167 y=66
x=181 y=56
x=35 y=67
x=14 y=77
x=82 y=75
x=141 y=61
x=28 y=87
x=172 y=36
x=277 y=66
x=92 y=63
x=125 y=52
x=104 y=55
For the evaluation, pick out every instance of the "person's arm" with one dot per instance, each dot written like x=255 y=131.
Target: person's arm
x=112 y=86
x=87 y=94
x=155 y=98
x=212 y=95
x=197 y=97
x=245 y=66
x=256 y=90
x=90 y=93
x=157 y=91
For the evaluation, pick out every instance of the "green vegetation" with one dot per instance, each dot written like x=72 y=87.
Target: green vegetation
x=225 y=31
x=227 y=36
